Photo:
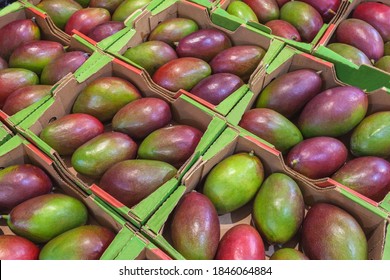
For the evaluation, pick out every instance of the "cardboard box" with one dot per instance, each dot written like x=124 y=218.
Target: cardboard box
x=239 y=34
x=5 y=133
x=19 y=11
x=5 y=3
x=19 y=151
x=372 y=219
x=184 y=111
x=365 y=76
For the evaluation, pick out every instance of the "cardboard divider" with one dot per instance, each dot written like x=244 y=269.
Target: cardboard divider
x=364 y=76
x=372 y=220
x=5 y=133
x=290 y=60
x=184 y=111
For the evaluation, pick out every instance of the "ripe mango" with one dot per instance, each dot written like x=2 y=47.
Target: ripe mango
x=333 y=112
x=265 y=10
x=86 y=19
x=283 y=29
x=241 y=242
x=12 y=79
x=42 y=218
x=234 y=181
x=21 y=182
x=272 y=127
x=204 y=44
x=241 y=10
x=383 y=63
x=331 y=233
x=127 y=7
x=13 y=247
x=351 y=53
x=238 y=60
x=181 y=73
x=104 y=97
x=109 y=5
x=288 y=93
x=288 y=254
x=24 y=97
x=367 y=175
x=15 y=33
x=94 y=157
x=3 y=63
x=173 y=144
x=173 y=30
x=57 y=69
x=141 y=117
x=195 y=227
x=82 y=243
x=69 y=132
x=372 y=136
x=303 y=17
x=130 y=181
x=317 y=157
x=217 y=87
x=105 y=29
x=151 y=55
x=59 y=10
x=278 y=209
x=326 y=8
x=35 y=55
x=361 y=35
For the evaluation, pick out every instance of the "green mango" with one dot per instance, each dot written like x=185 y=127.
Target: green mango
x=387 y=48
x=288 y=254
x=234 y=181
x=278 y=209
x=109 y=5
x=44 y=217
x=383 y=63
x=127 y=7
x=242 y=10
x=104 y=97
x=351 y=53
x=59 y=10
x=372 y=136
x=82 y=243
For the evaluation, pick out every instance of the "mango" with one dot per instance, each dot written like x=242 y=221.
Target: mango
x=281 y=2
x=24 y=97
x=383 y=63
x=82 y=243
x=104 y=97
x=242 y=11
x=369 y=176
x=387 y=48
x=288 y=93
x=331 y=233
x=86 y=19
x=217 y=87
x=151 y=55
x=13 y=247
x=272 y=127
x=284 y=29
x=239 y=60
x=105 y=29
x=22 y=31
x=361 y=35
x=71 y=131
x=127 y=7
x=44 y=217
x=377 y=15
x=109 y=5
x=241 y=242
x=326 y=8
x=173 y=30
x=57 y=69
x=303 y=17
x=83 y=3
x=372 y=136
x=288 y=254
x=12 y=79
x=141 y=117
x=195 y=227
x=317 y=157
x=173 y=144
x=35 y=55
x=131 y=181
x=234 y=181
x=94 y=157
x=181 y=73
x=3 y=64
x=265 y=10
x=21 y=182
x=333 y=112
x=59 y=10
x=204 y=44
x=278 y=209
x=351 y=53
